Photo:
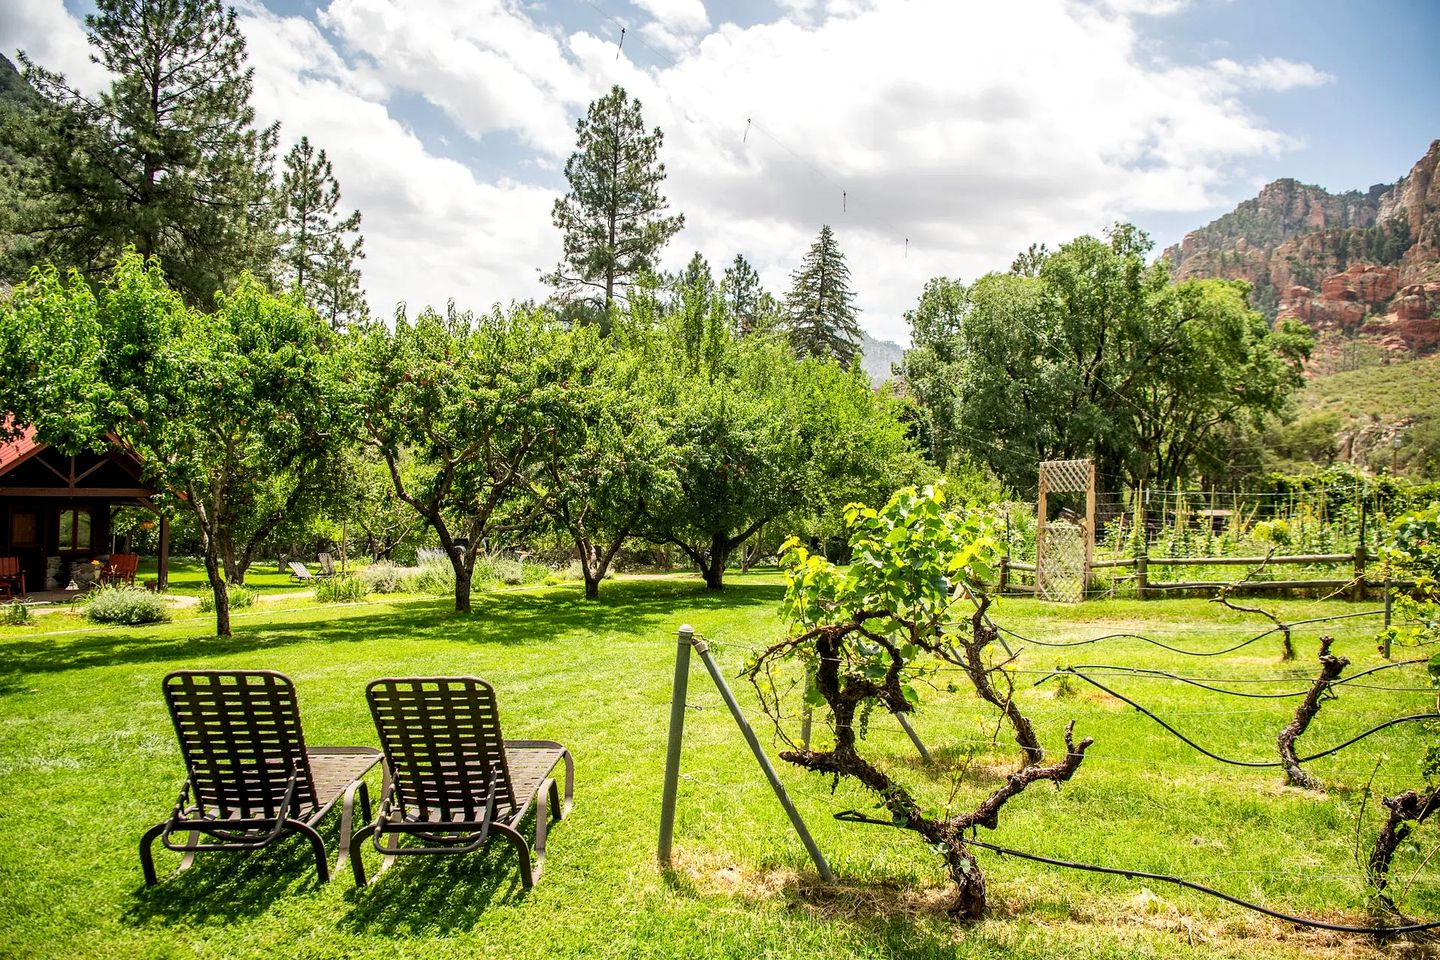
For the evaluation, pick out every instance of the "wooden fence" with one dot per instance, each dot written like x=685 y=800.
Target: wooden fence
x=1357 y=583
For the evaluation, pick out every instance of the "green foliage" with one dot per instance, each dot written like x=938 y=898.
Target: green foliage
x=339 y=590
x=240 y=596
x=459 y=406
x=121 y=604
x=750 y=307
x=16 y=614
x=754 y=436
x=167 y=159
x=319 y=249
x=1090 y=352
x=915 y=565
x=820 y=307
x=225 y=410
x=613 y=221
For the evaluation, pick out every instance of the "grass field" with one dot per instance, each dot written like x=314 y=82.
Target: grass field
x=88 y=761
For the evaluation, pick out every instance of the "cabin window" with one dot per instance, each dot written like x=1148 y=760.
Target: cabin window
x=24 y=529
x=75 y=529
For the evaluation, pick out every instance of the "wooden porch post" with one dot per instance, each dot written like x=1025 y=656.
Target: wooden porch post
x=162 y=576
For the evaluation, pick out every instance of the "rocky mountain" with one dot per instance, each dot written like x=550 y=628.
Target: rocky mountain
x=1357 y=267
x=877 y=356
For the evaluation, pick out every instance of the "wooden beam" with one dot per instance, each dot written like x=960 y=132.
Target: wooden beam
x=77 y=493
x=162 y=571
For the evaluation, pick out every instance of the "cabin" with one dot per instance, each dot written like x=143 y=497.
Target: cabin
x=56 y=510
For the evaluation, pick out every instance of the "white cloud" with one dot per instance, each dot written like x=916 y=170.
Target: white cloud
x=1271 y=74
x=687 y=16
x=51 y=38
x=970 y=130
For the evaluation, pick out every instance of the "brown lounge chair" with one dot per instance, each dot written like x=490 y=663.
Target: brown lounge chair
x=327 y=565
x=12 y=576
x=251 y=779
x=300 y=573
x=451 y=779
x=121 y=568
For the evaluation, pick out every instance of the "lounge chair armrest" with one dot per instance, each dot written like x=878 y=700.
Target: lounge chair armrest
x=282 y=816
x=475 y=842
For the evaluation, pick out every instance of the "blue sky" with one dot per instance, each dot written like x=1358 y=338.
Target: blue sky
x=935 y=136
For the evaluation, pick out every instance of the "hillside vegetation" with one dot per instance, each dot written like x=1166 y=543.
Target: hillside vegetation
x=1355 y=416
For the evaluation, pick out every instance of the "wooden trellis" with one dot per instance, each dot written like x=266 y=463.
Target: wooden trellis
x=1065 y=550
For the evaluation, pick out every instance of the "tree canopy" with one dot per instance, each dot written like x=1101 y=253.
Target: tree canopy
x=223 y=409
x=1090 y=352
x=167 y=160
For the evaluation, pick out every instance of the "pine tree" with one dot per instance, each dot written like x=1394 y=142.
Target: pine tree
x=168 y=159
x=317 y=254
x=752 y=308
x=613 y=219
x=820 y=309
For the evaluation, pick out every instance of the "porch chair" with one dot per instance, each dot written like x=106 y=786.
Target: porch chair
x=251 y=780
x=299 y=573
x=121 y=568
x=451 y=780
x=327 y=565
x=12 y=576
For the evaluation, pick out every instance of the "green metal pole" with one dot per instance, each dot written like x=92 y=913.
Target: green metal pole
x=702 y=648
x=684 y=639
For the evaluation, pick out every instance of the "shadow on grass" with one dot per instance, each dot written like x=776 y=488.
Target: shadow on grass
x=435 y=895
x=223 y=887
x=497 y=618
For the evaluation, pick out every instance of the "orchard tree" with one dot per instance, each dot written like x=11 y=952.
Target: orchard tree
x=756 y=434
x=319 y=248
x=613 y=221
x=606 y=457
x=229 y=412
x=820 y=308
x=464 y=401
x=167 y=160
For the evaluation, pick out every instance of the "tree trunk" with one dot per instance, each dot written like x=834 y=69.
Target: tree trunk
x=464 y=570
x=220 y=589
x=713 y=566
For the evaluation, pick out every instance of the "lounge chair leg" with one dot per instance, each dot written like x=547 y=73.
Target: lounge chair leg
x=542 y=826
x=522 y=849
x=357 y=861
x=562 y=811
x=188 y=861
x=347 y=817
x=317 y=844
x=147 y=856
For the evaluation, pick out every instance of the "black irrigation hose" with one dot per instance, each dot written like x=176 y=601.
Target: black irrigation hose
x=1249 y=763
x=1233 y=693
x=1208 y=891
x=1189 y=653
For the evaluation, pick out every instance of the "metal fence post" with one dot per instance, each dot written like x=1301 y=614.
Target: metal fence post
x=702 y=648
x=684 y=638
x=914 y=738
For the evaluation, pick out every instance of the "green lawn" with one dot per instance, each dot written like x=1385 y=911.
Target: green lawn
x=88 y=761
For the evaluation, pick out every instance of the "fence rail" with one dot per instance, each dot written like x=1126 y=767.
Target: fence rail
x=1358 y=561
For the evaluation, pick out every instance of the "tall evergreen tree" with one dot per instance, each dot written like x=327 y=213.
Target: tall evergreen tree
x=613 y=219
x=752 y=308
x=319 y=249
x=168 y=159
x=820 y=308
